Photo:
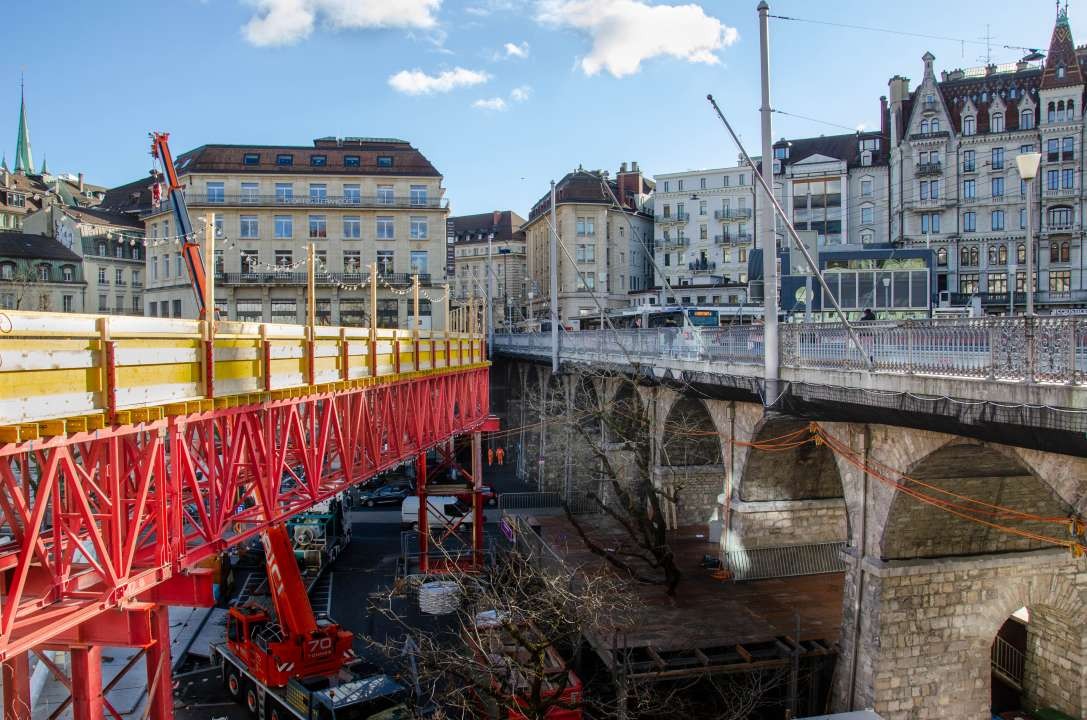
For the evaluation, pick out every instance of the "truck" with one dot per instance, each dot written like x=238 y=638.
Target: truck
x=319 y=535
x=286 y=663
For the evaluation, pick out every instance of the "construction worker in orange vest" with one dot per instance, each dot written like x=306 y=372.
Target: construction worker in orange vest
x=490 y=456
x=501 y=454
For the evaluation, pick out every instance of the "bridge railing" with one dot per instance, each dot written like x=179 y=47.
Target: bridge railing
x=1049 y=349
x=61 y=372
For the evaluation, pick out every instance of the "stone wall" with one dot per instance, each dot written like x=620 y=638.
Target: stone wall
x=787 y=522
x=927 y=657
x=1053 y=675
x=697 y=488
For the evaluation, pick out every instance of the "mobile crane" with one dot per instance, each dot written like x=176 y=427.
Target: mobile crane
x=290 y=664
x=190 y=250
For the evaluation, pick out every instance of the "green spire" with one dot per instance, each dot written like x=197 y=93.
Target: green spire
x=23 y=161
x=4 y=163
x=45 y=167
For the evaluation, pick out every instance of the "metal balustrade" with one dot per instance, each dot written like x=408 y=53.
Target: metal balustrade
x=1007 y=660
x=378 y=202
x=1049 y=349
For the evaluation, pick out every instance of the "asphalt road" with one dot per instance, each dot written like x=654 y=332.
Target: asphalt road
x=361 y=576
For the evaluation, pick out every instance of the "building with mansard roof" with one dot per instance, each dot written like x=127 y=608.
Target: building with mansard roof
x=954 y=186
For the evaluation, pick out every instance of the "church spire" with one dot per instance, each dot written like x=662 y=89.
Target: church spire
x=23 y=162
x=45 y=166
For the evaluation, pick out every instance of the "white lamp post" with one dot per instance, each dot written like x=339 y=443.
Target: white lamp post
x=1028 y=169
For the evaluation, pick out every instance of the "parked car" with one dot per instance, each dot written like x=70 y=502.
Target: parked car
x=442 y=510
x=385 y=495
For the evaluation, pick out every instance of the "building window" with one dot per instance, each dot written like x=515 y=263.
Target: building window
x=284 y=226
x=997 y=282
x=1068 y=149
x=702 y=205
x=1020 y=254
x=587 y=253
x=969 y=161
x=66 y=303
x=284 y=310
x=418 y=228
x=418 y=195
x=165 y=266
x=996 y=122
x=119 y=276
x=352 y=261
x=177 y=264
x=998 y=158
x=867 y=214
x=667 y=186
x=1068 y=178
x=352 y=195
x=941 y=257
x=248 y=226
x=318 y=160
x=866 y=187
x=1060 y=281
x=284 y=192
x=968 y=283
x=176 y=308
x=250 y=192
x=1060 y=217
x=385 y=262
x=217 y=223
x=284 y=258
x=385 y=194
x=318 y=226
x=969 y=189
x=969 y=222
x=419 y=262
x=384 y=227
x=384 y=161
x=102 y=276
x=1052 y=150
x=968 y=125
x=352 y=227
x=215 y=192
x=998 y=187
x=1052 y=179
x=586 y=226
x=68 y=273
x=997 y=220
x=284 y=159
x=103 y=304
x=318 y=192
x=351 y=161
x=1026 y=119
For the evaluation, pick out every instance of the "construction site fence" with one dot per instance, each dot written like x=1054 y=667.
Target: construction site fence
x=551 y=503
x=785 y=561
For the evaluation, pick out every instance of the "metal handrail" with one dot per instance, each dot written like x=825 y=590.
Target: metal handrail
x=1008 y=660
x=1043 y=349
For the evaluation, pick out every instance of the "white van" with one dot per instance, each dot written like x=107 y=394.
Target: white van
x=442 y=510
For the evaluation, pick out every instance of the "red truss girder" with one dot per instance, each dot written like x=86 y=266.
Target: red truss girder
x=97 y=520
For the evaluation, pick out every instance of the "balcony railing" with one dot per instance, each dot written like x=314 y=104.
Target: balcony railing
x=929 y=203
x=726 y=239
x=375 y=202
x=732 y=214
x=295 y=278
x=1041 y=297
x=701 y=267
x=1059 y=192
x=673 y=243
x=1059 y=226
x=674 y=218
x=930 y=168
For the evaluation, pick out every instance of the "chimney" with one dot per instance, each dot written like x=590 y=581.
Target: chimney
x=80 y=182
x=622 y=167
x=634 y=166
x=884 y=130
x=496 y=216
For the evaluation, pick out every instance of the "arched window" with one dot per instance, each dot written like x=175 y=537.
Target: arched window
x=1066 y=252
x=1026 y=119
x=968 y=125
x=1020 y=253
x=1060 y=110
x=924 y=127
x=1071 y=107
x=974 y=255
x=941 y=257
x=1051 y=113
x=1002 y=255
x=964 y=256
x=935 y=125
x=996 y=122
x=1054 y=252
x=1060 y=71
x=992 y=254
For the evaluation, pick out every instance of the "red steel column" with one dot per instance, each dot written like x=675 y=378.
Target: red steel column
x=160 y=679
x=87 y=683
x=477 y=499
x=16 y=673
x=424 y=515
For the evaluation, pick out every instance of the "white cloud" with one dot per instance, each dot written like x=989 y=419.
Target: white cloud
x=516 y=50
x=496 y=103
x=490 y=6
x=417 y=82
x=284 y=22
x=626 y=32
x=521 y=93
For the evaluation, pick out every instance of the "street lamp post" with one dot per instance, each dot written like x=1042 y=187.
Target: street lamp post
x=887 y=293
x=1027 y=164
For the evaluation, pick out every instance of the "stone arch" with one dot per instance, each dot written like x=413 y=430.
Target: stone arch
x=980 y=471
x=1055 y=645
x=807 y=472
x=626 y=419
x=690 y=436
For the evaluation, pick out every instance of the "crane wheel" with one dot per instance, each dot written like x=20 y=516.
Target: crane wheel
x=252 y=703
x=233 y=684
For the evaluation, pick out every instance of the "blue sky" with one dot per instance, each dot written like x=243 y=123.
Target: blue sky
x=501 y=95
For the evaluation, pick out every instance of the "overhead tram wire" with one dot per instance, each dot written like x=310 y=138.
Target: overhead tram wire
x=904 y=33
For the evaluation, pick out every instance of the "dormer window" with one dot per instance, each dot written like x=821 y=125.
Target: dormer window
x=781 y=153
x=968 y=126
x=1060 y=71
x=996 y=122
x=1026 y=119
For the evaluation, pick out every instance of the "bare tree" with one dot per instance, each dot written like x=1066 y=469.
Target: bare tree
x=28 y=290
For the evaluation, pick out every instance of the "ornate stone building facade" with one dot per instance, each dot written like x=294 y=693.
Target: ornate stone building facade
x=955 y=186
